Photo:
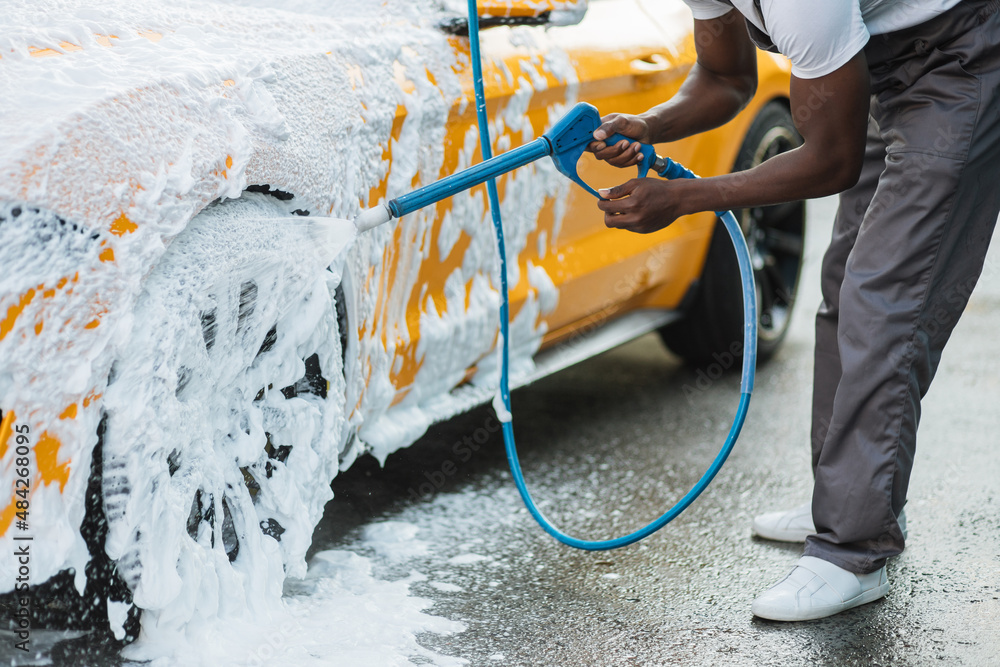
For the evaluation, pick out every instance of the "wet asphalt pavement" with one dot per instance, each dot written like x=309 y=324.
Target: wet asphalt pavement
x=609 y=444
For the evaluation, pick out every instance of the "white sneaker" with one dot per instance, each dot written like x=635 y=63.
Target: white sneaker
x=795 y=525
x=816 y=589
x=792 y=525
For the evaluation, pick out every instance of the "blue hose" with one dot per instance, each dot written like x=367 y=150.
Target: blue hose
x=672 y=170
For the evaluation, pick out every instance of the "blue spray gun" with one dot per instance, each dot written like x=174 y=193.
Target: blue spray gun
x=565 y=143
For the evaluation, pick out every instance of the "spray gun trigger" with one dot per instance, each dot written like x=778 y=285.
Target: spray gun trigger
x=566 y=162
x=648 y=152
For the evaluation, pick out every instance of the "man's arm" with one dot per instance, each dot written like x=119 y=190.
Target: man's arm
x=831 y=114
x=721 y=82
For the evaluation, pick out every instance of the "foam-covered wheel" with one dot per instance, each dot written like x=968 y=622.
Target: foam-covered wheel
x=225 y=412
x=712 y=326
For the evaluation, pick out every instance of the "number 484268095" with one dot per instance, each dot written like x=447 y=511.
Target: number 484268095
x=22 y=483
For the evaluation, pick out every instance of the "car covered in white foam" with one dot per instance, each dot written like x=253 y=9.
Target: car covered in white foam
x=183 y=370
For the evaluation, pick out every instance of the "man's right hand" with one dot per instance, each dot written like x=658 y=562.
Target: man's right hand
x=623 y=153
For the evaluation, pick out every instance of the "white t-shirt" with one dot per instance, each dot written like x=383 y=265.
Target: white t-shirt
x=819 y=36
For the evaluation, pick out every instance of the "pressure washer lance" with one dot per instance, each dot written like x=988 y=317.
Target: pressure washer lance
x=565 y=144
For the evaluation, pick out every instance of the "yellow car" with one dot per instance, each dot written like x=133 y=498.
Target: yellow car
x=181 y=372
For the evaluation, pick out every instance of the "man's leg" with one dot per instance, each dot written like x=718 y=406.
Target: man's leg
x=918 y=254
x=794 y=525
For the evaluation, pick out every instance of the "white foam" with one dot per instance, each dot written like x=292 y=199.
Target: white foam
x=468 y=559
x=394 y=540
x=340 y=615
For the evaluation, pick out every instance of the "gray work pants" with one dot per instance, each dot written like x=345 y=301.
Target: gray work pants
x=909 y=243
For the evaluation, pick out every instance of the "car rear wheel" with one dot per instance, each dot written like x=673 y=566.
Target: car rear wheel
x=712 y=327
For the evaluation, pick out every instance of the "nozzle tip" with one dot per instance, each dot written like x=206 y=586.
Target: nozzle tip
x=373 y=217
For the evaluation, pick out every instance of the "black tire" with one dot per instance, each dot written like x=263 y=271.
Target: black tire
x=712 y=326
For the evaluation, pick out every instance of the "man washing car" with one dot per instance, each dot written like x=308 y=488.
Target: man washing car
x=903 y=121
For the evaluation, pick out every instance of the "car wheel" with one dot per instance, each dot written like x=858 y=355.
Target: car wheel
x=712 y=326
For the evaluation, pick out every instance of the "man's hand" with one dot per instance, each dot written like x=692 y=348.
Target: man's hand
x=831 y=114
x=622 y=154
x=643 y=205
